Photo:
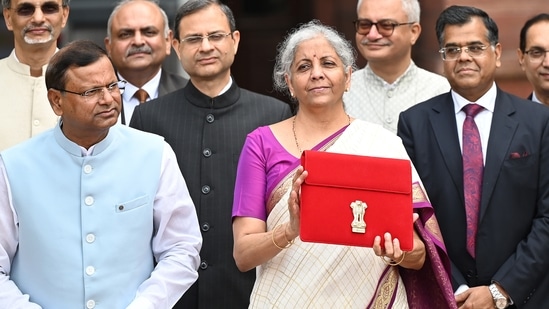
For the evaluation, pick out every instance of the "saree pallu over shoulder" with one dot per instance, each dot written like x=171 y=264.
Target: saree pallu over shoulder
x=308 y=275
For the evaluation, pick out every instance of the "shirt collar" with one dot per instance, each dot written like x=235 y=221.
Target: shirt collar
x=535 y=97
x=151 y=87
x=488 y=100
x=227 y=87
x=79 y=151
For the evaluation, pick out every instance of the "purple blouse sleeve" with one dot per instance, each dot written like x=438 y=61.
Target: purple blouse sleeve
x=251 y=180
x=262 y=163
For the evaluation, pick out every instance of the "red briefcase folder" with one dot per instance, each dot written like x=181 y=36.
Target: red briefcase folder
x=350 y=199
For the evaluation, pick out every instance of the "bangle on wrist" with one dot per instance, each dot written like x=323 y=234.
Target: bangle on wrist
x=391 y=262
x=289 y=243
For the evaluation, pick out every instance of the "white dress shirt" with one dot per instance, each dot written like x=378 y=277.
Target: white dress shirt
x=130 y=101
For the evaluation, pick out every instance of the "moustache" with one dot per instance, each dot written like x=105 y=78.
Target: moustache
x=365 y=41
x=34 y=27
x=145 y=49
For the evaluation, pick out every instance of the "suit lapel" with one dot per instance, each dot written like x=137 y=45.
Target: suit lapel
x=502 y=130
x=443 y=121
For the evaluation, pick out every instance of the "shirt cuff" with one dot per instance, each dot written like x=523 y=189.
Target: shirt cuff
x=462 y=288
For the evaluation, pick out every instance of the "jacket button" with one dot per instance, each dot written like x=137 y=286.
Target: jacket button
x=210 y=118
x=203 y=265
x=205 y=227
x=205 y=189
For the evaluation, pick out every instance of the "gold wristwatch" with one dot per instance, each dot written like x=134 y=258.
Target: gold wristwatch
x=500 y=301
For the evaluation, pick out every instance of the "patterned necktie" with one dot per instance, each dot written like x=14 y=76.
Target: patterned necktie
x=141 y=95
x=473 y=170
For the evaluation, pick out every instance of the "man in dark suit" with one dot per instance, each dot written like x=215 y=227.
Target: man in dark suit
x=138 y=40
x=532 y=55
x=504 y=263
x=206 y=124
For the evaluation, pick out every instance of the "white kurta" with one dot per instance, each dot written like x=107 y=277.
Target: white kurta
x=25 y=108
x=372 y=99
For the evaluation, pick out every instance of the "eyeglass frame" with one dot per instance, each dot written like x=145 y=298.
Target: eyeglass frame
x=26 y=5
x=121 y=86
x=536 y=49
x=393 y=23
x=466 y=49
x=221 y=35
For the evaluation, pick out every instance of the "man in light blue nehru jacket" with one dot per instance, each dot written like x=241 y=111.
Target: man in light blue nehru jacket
x=93 y=214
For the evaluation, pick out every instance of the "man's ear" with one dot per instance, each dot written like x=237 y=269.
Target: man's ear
x=107 y=42
x=169 y=39
x=56 y=101
x=520 y=55
x=416 y=31
x=7 y=18
x=176 y=44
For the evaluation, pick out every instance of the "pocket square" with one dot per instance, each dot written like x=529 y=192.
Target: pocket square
x=516 y=155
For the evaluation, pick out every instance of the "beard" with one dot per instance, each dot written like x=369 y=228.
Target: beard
x=40 y=40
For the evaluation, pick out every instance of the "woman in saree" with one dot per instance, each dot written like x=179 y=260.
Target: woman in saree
x=314 y=65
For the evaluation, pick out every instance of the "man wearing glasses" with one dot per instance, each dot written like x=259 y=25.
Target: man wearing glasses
x=483 y=156
x=83 y=222
x=532 y=54
x=206 y=123
x=390 y=82
x=36 y=26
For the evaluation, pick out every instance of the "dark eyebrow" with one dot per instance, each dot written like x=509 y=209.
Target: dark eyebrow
x=148 y=28
x=452 y=44
x=125 y=30
x=200 y=34
x=47 y=2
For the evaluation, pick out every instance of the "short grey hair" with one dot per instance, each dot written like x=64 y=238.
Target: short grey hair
x=6 y=4
x=305 y=32
x=124 y=2
x=411 y=9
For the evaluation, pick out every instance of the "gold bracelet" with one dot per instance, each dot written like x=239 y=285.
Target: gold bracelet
x=290 y=242
x=391 y=262
x=274 y=242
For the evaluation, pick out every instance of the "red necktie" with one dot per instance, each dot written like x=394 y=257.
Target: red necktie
x=141 y=95
x=473 y=169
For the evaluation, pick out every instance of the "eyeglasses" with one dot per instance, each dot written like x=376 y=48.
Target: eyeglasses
x=536 y=54
x=27 y=9
x=98 y=92
x=453 y=52
x=384 y=27
x=212 y=38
